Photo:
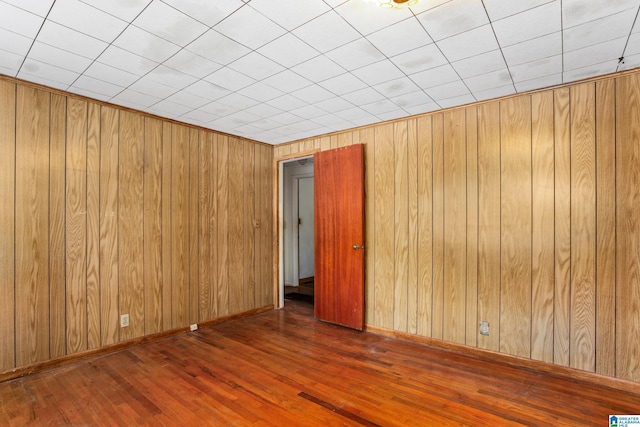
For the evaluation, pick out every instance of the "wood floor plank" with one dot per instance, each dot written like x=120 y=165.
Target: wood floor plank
x=282 y=367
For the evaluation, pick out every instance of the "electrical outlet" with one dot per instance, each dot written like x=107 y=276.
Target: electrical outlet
x=124 y=320
x=194 y=327
x=484 y=328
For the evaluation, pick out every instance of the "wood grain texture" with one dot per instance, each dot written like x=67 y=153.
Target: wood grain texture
x=93 y=226
x=454 y=292
x=236 y=229
x=471 y=334
x=628 y=226
x=489 y=223
x=32 y=226
x=249 y=217
x=194 y=238
x=57 y=172
x=542 y=230
x=7 y=224
x=76 y=226
x=515 y=226
x=223 y=226
x=562 y=300
x=267 y=226
x=425 y=225
x=152 y=240
x=412 y=240
x=109 y=284
x=401 y=226
x=605 y=227
x=131 y=224
x=437 y=325
x=204 y=226
x=213 y=226
x=167 y=240
x=583 y=227
x=367 y=137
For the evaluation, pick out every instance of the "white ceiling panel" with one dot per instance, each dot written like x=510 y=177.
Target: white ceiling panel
x=244 y=66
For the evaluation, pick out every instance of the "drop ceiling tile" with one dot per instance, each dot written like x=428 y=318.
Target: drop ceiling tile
x=263 y=110
x=379 y=107
x=256 y=66
x=356 y=54
x=123 y=60
x=326 y=32
x=250 y=28
x=170 y=77
x=217 y=109
x=305 y=126
x=10 y=62
x=288 y=50
x=261 y=92
x=87 y=19
x=396 y=87
x=39 y=79
x=489 y=80
x=58 y=57
x=288 y=13
x=480 y=64
x=198 y=117
x=19 y=21
x=96 y=86
x=595 y=54
x=533 y=23
x=37 y=7
x=313 y=93
x=401 y=37
x=330 y=120
x=287 y=81
x=368 y=18
x=454 y=17
x=334 y=105
x=363 y=96
x=235 y=120
x=237 y=101
x=472 y=43
x=531 y=50
x=495 y=92
x=356 y=113
x=633 y=46
x=229 y=79
x=435 y=76
x=207 y=12
x=188 y=99
x=208 y=90
x=379 y=72
x=181 y=30
x=48 y=71
x=286 y=103
x=146 y=45
x=14 y=43
x=420 y=59
x=194 y=65
x=318 y=69
x=88 y=93
x=499 y=9
x=411 y=99
x=392 y=115
x=546 y=81
x=125 y=10
x=598 y=31
x=217 y=48
x=536 y=69
x=456 y=101
x=421 y=109
x=285 y=118
x=152 y=88
x=589 y=70
x=169 y=108
x=447 y=91
x=576 y=12
x=630 y=61
x=70 y=40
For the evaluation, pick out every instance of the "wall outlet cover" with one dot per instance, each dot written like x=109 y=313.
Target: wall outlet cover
x=124 y=320
x=194 y=327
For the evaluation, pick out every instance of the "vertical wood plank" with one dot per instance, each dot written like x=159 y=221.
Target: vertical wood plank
x=249 y=192
x=57 y=158
x=605 y=227
x=194 y=258
x=258 y=179
x=76 y=226
x=236 y=243
x=542 y=226
x=401 y=225
x=325 y=143
x=425 y=225
x=93 y=226
x=438 y=227
x=489 y=223
x=471 y=335
x=515 y=230
x=204 y=226
x=7 y=223
x=344 y=139
x=583 y=227
x=412 y=241
x=368 y=138
x=267 y=226
x=628 y=223
x=179 y=226
x=562 y=300
x=109 y=284
x=223 y=225
x=152 y=240
x=455 y=227
x=131 y=223
x=167 y=237
x=213 y=226
x=384 y=249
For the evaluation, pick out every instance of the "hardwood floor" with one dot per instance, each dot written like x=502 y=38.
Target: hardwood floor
x=283 y=368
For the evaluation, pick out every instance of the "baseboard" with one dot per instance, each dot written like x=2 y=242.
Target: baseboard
x=521 y=362
x=73 y=358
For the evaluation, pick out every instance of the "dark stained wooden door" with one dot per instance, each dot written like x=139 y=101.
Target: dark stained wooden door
x=339 y=236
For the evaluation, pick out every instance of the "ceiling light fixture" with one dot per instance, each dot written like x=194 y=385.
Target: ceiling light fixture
x=394 y=4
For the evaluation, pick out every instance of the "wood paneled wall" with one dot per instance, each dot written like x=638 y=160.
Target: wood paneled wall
x=523 y=212
x=105 y=212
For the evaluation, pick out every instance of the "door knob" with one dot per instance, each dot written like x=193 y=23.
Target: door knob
x=357 y=246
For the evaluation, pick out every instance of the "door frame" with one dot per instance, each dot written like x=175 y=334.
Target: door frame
x=278 y=209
